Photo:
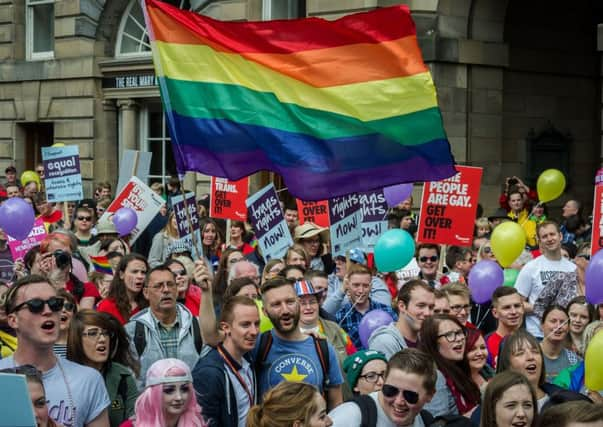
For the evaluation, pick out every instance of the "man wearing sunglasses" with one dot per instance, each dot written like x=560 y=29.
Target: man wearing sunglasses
x=76 y=394
x=409 y=384
x=428 y=257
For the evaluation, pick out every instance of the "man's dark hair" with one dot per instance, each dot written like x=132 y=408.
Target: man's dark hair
x=9 y=298
x=503 y=291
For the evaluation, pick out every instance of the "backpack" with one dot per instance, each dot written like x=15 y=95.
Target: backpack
x=140 y=339
x=322 y=350
x=368 y=412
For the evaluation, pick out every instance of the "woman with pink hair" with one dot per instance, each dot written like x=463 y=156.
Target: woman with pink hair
x=168 y=399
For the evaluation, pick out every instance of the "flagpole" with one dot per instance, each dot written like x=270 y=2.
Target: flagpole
x=188 y=218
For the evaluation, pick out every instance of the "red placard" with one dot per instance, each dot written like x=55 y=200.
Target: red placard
x=228 y=198
x=448 y=208
x=597 y=236
x=316 y=212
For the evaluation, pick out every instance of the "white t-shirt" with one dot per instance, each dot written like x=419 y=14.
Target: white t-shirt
x=348 y=415
x=532 y=279
x=86 y=389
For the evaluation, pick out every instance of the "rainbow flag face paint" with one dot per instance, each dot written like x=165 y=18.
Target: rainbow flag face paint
x=335 y=107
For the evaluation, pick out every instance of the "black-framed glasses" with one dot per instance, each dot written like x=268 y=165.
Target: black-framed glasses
x=432 y=258
x=36 y=305
x=390 y=391
x=372 y=377
x=452 y=336
x=97 y=333
x=69 y=306
x=457 y=308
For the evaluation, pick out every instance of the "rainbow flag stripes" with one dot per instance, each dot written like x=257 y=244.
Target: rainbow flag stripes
x=101 y=264
x=335 y=107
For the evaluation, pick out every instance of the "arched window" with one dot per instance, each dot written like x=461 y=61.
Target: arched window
x=133 y=36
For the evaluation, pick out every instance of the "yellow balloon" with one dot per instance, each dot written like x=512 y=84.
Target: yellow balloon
x=29 y=176
x=265 y=323
x=550 y=185
x=508 y=242
x=593 y=369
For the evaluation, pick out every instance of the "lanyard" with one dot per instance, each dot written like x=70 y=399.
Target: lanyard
x=236 y=374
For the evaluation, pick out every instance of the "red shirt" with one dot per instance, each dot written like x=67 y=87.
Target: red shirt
x=493 y=344
x=108 y=305
x=89 y=291
x=192 y=299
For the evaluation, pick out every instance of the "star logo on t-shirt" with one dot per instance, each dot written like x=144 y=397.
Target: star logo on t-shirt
x=294 y=376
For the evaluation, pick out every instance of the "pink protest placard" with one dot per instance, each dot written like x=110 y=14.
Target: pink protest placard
x=18 y=248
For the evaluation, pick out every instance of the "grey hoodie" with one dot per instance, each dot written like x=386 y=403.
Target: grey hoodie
x=388 y=340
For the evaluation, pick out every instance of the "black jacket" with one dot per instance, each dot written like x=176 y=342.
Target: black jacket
x=215 y=392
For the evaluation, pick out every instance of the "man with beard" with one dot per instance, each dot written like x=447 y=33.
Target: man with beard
x=416 y=302
x=166 y=329
x=224 y=380
x=287 y=354
x=357 y=283
x=76 y=394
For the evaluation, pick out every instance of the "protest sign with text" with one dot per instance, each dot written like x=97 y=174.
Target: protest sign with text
x=346 y=223
x=62 y=175
x=316 y=212
x=597 y=232
x=448 y=208
x=138 y=196
x=266 y=216
x=18 y=248
x=182 y=221
x=374 y=217
x=227 y=199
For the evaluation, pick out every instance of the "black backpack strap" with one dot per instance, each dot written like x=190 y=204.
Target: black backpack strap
x=368 y=410
x=263 y=349
x=122 y=391
x=322 y=350
x=426 y=417
x=197 y=335
x=140 y=339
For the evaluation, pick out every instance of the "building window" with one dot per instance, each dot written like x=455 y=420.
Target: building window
x=156 y=139
x=40 y=29
x=283 y=9
x=133 y=36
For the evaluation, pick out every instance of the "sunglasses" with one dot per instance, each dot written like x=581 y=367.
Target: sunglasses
x=179 y=272
x=40 y=171
x=69 y=306
x=84 y=218
x=36 y=305
x=390 y=391
x=432 y=258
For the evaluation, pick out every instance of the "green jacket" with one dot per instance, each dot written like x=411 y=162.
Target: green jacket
x=123 y=393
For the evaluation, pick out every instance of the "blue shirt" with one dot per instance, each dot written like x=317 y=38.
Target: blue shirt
x=349 y=319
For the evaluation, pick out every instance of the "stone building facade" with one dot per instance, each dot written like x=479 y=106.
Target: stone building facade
x=519 y=83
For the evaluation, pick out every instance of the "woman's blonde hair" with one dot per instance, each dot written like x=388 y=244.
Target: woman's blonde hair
x=283 y=405
x=169 y=230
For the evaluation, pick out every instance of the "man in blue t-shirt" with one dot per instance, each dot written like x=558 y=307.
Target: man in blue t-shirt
x=293 y=355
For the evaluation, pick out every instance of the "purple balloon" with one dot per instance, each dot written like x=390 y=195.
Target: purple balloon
x=593 y=277
x=484 y=278
x=17 y=218
x=371 y=321
x=396 y=194
x=125 y=220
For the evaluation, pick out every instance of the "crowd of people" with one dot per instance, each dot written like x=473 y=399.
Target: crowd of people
x=164 y=338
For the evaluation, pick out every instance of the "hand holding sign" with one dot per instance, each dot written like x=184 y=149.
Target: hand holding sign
x=16 y=218
x=125 y=220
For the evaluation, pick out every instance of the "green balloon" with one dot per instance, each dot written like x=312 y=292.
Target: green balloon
x=510 y=277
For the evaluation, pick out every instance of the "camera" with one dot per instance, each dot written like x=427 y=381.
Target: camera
x=512 y=181
x=62 y=259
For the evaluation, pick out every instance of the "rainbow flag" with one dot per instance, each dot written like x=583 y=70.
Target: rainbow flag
x=101 y=264
x=335 y=107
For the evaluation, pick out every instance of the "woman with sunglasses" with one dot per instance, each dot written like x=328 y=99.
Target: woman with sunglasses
x=69 y=309
x=290 y=404
x=168 y=399
x=82 y=226
x=189 y=293
x=443 y=338
x=98 y=340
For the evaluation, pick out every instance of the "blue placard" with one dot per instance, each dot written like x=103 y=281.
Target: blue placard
x=15 y=405
x=62 y=174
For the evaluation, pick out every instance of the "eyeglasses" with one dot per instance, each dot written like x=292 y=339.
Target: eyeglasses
x=443 y=311
x=373 y=377
x=390 y=391
x=308 y=302
x=179 y=272
x=458 y=308
x=584 y=256
x=432 y=258
x=69 y=306
x=97 y=333
x=487 y=250
x=453 y=336
x=159 y=286
x=84 y=218
x=36 y=305
x=40 y=171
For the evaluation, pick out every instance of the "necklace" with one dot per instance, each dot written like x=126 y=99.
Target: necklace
x=69 y=395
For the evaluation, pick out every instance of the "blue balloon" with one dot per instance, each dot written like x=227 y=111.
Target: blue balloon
x=394 y=250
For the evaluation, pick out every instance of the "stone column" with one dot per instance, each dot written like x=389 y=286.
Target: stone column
x=129 y=123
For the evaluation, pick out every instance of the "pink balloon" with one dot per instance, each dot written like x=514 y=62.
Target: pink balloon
x=125 y=220
x=17 y=218
x=396 y=194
